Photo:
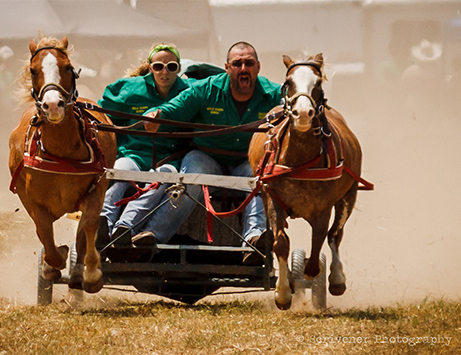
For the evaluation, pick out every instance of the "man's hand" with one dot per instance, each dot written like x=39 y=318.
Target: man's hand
x=152 y=127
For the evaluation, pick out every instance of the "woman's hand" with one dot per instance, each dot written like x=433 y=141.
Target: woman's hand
x=152 y=127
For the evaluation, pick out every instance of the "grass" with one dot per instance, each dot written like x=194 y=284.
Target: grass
x=238 y=327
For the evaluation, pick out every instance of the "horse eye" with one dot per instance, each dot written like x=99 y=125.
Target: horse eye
x=32 y=72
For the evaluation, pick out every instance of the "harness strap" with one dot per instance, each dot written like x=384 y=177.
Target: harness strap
x=140 y=192
x=54 y=164
x=366 y=185
x=211 y=211
x=15 y=177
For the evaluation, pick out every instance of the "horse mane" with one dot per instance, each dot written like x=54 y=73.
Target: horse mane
x=24 y=81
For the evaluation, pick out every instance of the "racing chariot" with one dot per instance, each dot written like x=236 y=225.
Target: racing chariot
x=189 y=267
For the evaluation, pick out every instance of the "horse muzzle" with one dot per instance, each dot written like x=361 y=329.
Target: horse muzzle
x=53 y=101
x=301 y=109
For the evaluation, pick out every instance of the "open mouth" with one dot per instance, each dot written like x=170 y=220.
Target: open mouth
x=244 y=80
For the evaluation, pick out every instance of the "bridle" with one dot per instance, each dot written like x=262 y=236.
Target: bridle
x=319 y=105
x=70 y=97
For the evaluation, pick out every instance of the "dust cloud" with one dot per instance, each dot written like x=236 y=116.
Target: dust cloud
x=402 y=241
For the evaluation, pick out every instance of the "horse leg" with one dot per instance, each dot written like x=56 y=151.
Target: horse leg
x=89 y=224
x=76 y=277
x=281 y=247
x=54 y=258
x=343 y=210
x=319 y=233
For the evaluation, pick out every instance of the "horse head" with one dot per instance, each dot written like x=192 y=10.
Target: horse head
x=302 y=92
x=53 y=79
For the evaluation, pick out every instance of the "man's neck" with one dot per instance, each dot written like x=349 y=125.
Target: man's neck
x=241 y=97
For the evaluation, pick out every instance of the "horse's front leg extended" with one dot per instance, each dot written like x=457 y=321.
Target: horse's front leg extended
x=54 y=258
x=89 y=224
x=343 y=210
x=319 y=233
x=276 y=217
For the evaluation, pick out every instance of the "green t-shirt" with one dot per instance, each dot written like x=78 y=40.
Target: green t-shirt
x=210 y=101
x=135 y=95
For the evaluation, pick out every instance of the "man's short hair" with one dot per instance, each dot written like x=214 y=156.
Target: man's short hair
x=242 y=45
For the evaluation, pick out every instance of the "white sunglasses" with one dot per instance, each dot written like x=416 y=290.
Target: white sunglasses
x=172 y=67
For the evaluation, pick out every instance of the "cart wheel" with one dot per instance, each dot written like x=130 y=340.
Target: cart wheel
x=319 y=286
x=75 y=295
x=44 y=287
x=297 y=264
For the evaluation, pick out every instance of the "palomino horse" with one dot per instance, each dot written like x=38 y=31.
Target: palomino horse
x=302 y=163
x=57 y=161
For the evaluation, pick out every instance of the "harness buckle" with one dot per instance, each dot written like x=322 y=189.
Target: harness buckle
x=176 y=192
x=328 y=135
x=88 y=105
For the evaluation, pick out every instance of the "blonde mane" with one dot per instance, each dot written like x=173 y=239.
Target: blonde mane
x=24 y=81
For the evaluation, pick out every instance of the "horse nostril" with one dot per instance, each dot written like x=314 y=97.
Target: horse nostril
x=61 y=103
x=311 y=113
x=295 y=113
x=45 y=106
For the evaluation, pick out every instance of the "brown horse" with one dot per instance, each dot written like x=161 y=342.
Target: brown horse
x=303 y=163
x=57 y=161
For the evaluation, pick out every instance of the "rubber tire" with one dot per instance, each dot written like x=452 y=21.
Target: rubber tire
x=75 y=295
x=319 y=286
x=297 y=263
x=44 y=287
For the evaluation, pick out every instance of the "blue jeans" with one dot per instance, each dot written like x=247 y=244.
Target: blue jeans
x=116 y=192
x=137 y=209
x=167 y=219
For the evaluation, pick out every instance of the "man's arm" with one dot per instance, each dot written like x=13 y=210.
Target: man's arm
x=182 y=108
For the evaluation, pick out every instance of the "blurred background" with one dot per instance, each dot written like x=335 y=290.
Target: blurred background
x=394 y=70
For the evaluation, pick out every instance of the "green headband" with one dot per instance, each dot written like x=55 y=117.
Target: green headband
x=162 y=47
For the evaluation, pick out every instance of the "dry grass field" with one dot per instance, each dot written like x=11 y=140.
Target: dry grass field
x=236 y=327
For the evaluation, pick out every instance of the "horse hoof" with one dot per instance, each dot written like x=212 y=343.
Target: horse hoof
x=337 y=290
x=93 y=287
x=50 y=273
x=75 y=282
x=283 y=306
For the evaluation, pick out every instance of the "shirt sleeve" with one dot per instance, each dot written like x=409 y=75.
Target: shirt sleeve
x=113 y=98
x=182 y=108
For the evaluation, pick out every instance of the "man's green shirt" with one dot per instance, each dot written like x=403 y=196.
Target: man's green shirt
x=210 y=101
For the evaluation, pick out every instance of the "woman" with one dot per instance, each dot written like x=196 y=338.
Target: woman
x=151 y=84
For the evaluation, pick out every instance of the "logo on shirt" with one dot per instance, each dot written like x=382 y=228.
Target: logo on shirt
x=262 y=115
x=139 y=109
x=215 y=110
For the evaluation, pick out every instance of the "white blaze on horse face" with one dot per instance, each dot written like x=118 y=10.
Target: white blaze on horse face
x=304 y=79
x=52 y=98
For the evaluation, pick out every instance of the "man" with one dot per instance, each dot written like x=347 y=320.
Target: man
x=236 y=97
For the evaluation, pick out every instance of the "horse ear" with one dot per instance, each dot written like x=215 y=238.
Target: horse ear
x=319 y=58
x=32 y=46
x=65 y=42
x=287 y=60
